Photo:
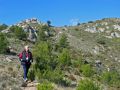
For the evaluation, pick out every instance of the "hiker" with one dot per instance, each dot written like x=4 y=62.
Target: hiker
x=26 y=59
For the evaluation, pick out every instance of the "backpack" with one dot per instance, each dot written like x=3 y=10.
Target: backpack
x=24 y=57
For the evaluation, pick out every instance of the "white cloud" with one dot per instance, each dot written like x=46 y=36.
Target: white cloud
x=74 y=21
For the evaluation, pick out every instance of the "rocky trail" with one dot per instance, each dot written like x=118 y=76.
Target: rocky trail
x=11 y=72
x=30 y=86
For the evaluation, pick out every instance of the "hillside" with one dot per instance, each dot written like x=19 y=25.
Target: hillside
x=73 y=51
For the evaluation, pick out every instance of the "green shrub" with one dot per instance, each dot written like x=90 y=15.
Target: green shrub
x=31 y=75
x=87 y=85
x=41 y=36
x=106 y=77
x=43 y=59
x=3 y=43
x=45 y=86
x=102 y=40
x=18 y=32
x=49 y=63
x=76 y=29
x=54 y=75
x=87 y=70
x=90 y=22
x=77 y=62
x=64 y=57
x=111 y=78
x=48 y=66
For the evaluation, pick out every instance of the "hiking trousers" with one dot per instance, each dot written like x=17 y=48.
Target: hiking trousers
x=26 y=67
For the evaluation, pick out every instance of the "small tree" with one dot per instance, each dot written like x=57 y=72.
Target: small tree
x=49 y=23
x=44 y=68
x=63 y=41
x=64 y=57
x=42 y=55
x=78 y=24
x=3 y=43
x=87 y=85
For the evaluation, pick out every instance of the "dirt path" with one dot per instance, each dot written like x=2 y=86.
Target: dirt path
x=30 y=86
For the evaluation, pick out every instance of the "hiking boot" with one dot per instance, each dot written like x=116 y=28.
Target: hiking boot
x=25 y=80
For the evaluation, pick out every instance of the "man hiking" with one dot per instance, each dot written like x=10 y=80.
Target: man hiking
x=26 y=59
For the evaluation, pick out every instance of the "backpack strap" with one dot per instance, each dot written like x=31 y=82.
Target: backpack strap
x=23 y=58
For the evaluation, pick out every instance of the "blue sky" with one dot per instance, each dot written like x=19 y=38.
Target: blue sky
x=60 y=12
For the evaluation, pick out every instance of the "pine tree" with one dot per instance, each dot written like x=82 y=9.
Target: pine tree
x=3 y=43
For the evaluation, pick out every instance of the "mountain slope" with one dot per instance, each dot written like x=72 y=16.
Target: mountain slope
x=95 y=43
